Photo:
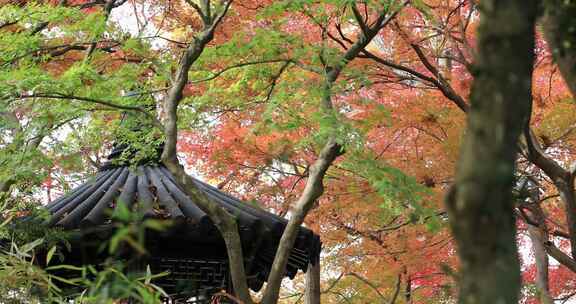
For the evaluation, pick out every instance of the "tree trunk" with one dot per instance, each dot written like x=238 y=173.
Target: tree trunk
x=538 y=232
x=541 y=256
x=223 y=220
x=312 y=191
x=566 y=190
x=559 y=25
x=312 y=292
x=480 y=205
x=314 y=185
x=408 y=288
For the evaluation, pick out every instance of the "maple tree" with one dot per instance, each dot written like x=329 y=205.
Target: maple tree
x=443 y=64
x=272 y=99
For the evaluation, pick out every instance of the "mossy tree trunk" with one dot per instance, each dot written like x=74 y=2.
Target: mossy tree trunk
x=480 y=206
x=559 y=24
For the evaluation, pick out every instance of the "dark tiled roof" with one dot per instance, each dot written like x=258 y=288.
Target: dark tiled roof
x=151 y=189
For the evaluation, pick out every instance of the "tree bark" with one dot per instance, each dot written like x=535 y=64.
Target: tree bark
x=312 y=191
x=480 y=205
x=538 y=239
x=312 y=292
x=560 y=256
x=559 y=30
x=538 y=232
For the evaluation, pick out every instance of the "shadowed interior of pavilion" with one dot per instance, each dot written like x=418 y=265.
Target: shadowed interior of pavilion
x=192 y=249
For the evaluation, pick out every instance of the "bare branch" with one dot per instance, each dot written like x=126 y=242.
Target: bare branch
x=8 y=23
x=396 y=290
x=108 y=7
x=80 y=98
x=218 y=18
x=91 y=100
x=369 y=284
x=560 y=256
x=359 y=19
x=440 y=84
x=206 y=9
x=205 y=18
x=275 y=78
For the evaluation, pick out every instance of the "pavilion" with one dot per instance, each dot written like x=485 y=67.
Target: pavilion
x=192 y=249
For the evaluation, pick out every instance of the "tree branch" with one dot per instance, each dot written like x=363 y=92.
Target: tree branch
x=238 y=65
x=91 y=100
x=199 y=11
x=359 y=19
x=560 y=256
x=222 y=219
x=314 y=185
x=443 y=86
x=371 y=285
x=562 y=179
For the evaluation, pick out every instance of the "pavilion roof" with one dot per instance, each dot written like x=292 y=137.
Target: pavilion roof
x=152 y=190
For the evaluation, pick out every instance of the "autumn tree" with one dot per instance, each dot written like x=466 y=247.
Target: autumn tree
x=92 y=83
x=480 y=206
x=346 y=116
x=329 y=71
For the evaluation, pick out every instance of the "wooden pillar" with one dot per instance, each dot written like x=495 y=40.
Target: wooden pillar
x=312 y=292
